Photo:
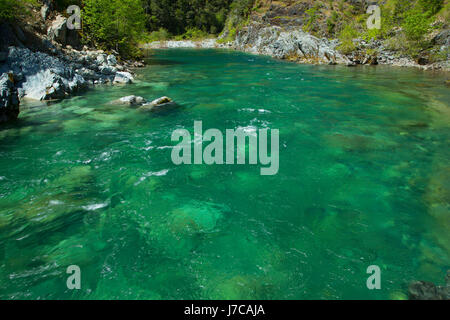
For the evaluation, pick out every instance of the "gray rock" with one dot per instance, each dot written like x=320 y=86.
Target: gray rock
x=40 y=76
x=422 y=290
x=107 y=70
x=130 y=101
x=442 y=38
x=57 y=31
x=289 y=43
x=45 y=10
x=101 y=59
x=9 y=98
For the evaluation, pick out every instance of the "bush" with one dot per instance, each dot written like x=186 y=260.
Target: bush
x=346 y=37
x=193 y=34
x=416 y=24
x=312 y=14
x=431 y=6
x=160 y=35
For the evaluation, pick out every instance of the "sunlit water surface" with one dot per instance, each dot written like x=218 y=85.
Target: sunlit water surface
x=363 y=180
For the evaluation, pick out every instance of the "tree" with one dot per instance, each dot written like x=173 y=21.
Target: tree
x=114 y=24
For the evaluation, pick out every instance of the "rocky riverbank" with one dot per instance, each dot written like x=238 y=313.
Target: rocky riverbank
x=45 y=60
x=41 y=76
x=291 y=43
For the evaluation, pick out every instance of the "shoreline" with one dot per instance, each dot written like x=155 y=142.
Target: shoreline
x=338 y=59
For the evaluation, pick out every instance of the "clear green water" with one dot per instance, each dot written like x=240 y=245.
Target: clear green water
x=364 y=179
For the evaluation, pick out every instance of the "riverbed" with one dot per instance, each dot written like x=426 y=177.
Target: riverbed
x=362 y=180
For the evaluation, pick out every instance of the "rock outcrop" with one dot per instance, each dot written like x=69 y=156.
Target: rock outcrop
x=9 y=98
x=41 y=76
x=291 y=44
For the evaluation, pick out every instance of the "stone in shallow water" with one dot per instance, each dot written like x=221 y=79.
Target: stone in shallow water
x=196 y=217
x=422 y=290
x=123 y=77
x=130 y=101
x=160 y=104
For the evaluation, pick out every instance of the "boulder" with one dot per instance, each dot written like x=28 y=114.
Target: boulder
x=160 y=104
x=101 y=59
x=107 y=70
x=422 y=290
x=9 y=98
x=123 y=77
x=111 y=60
x=442 y=38
x=45 y=10
x=59 y=32
x=130 y=101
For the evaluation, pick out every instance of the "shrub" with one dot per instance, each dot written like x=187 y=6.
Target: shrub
x=346 y=37
x=416 y=24
x=192 y=34
x=431 y=6
x=160 y=35
x=312 y=14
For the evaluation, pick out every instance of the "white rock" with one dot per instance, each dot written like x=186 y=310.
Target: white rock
x=111 y=59
x=101 y=59
x=131 y=101
x=123 y=77
x=162 y=103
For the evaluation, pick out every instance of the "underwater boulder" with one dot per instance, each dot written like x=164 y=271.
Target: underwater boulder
x=160 y=104
x=130 y=101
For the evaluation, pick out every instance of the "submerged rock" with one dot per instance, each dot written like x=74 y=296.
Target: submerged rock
x=163 y=103
x=130 y=101
x=9 y=98
x=422 y=290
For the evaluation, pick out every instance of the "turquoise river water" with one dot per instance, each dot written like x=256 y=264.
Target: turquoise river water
x=363 y=180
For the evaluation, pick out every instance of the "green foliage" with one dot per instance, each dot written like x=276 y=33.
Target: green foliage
x=416 y=24
x=160 y=35
x=346 y=37
x=114 y=24
x=193 y=34
x=332 y=22
x=179 y=16
x=431 y=6
x=62 y=5
x=11 y=9
x=312 y=15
